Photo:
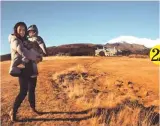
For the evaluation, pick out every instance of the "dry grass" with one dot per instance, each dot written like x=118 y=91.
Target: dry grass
x=109 y=97
x=138 y=56
x=88 y=92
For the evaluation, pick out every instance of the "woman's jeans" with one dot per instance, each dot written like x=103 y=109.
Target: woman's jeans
x=27 y=84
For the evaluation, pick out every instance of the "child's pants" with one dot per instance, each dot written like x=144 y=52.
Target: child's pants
x=35 y=69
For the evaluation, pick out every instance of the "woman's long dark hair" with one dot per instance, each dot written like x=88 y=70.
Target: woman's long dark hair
x=15 y=30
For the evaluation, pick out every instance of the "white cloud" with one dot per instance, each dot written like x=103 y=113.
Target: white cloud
x=134 y=40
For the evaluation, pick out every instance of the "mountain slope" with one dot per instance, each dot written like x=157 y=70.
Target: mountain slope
x=88 y=49
x=126 y=46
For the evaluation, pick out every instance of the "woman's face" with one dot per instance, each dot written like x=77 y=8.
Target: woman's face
x=21 y=30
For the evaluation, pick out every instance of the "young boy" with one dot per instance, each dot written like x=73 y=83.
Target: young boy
x=36 y=44
x=37 y=41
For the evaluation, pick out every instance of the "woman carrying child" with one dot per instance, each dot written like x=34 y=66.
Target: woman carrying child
x=21 y=55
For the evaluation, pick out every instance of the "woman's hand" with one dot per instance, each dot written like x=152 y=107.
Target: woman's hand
x=25 y=60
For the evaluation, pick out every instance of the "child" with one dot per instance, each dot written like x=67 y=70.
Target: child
x=27 y=44
x=37 y=44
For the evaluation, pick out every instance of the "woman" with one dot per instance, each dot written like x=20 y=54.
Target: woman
x=27 y=84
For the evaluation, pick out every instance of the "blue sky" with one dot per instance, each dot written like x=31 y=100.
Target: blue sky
x=81 y=22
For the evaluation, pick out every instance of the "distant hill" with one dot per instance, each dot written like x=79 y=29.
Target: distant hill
x=5 y=57
x=126 y=46
x=130 y=48
x=88 y=49
x=81 y=49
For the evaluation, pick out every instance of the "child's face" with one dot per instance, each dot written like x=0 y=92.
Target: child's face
x=31 y=33
x=21 y=30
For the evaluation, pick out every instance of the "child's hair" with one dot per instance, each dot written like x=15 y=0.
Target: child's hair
x=15 y=30
x=33 y=28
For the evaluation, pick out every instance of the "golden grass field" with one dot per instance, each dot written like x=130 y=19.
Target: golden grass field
x=87 y=91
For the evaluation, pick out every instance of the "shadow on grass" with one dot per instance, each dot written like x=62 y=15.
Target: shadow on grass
x=58 y=119
x=54 y=119
x=96 y=112
x=80 y=112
